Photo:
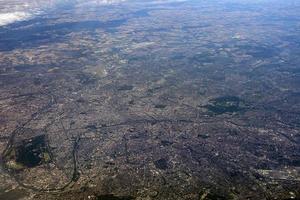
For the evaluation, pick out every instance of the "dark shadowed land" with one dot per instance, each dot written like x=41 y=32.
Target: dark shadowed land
x=191 y=100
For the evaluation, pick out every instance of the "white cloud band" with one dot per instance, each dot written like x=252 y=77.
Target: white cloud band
x=8 y=18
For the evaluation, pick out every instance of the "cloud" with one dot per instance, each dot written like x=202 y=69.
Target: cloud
x=8 y=18
x=19 y=10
